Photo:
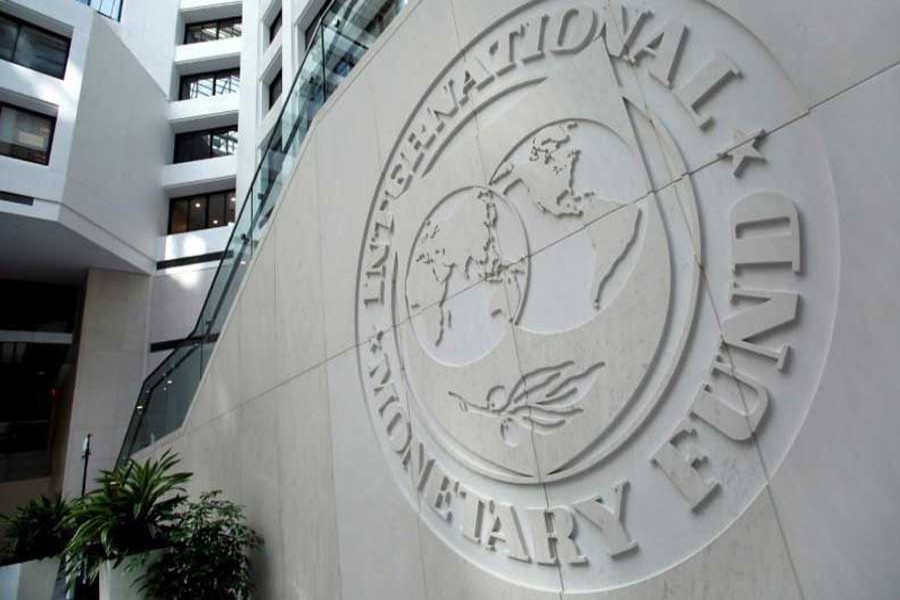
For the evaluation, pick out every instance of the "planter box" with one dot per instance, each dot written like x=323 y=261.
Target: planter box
x=116 y=583
x=33 y=580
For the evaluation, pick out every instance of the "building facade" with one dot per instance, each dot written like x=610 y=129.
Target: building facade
x=524 y=299
x=120 y=186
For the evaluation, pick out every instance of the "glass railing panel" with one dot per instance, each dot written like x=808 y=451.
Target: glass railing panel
x=269 y=182
x=238 y=252
x=361 y=20
x=341 y=55
x=180 y=387
x=347 y=30
x=306 y=98
x=153 y=417
x=140 y=437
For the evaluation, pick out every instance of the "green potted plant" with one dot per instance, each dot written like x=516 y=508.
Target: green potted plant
x=117 y=526
x=36 y=535
x=207 y=555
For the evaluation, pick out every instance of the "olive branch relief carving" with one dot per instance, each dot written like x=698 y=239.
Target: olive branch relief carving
x=542 y=401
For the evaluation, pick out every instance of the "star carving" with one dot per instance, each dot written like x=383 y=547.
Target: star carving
x=743 y=150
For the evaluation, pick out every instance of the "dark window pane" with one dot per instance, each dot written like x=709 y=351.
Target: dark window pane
x=275 y=27
x=275 y=90
x=202 y=145
x=196 y=86
x=199 y=145
x=197 y=213
x=9 y=30
x=192 y=146
x=208 y=32
x=228 y=82
x=230 y=28
x=201 y=32
x=182 y=148
x=33 y=47
x=178 y=216
x=212 y=30
x=185 y=90
x=224 y=142
x=42 y=51
x=25 y=135
x=204 y=87
x=216 y=210
x=230 y=205
x=210 y=84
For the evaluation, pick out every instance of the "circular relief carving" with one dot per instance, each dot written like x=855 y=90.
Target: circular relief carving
x=579 y=292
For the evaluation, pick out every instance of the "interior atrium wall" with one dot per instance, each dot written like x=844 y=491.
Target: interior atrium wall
x=579 y=298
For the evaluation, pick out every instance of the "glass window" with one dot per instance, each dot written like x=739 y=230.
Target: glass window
x=228 y=82
x=275 y=27
x=9 y=31
x=275 y=90
x=110 y=8
x=204 y=211
x=224 y=142
x=197 y=213
x=194 y=87
x=33 y=47
x=206 y=86
x=25 y=135
x=215 y=210
x=230 y=206
x=200 y=32
x=212 y=30
x=42 y=51
x=230 y=28
x=178 y=216
x=191 y=146
x=199 y=145
x=210 y=84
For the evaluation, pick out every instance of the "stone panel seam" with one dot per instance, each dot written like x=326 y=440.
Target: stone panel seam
x=852 y=87
x=282 y=574
x=337 y=537
x=521 y=371
x=765 y=469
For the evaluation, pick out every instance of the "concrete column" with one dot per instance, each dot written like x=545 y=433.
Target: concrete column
x=112 y=351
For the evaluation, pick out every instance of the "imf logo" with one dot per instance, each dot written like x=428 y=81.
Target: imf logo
x=579 y=295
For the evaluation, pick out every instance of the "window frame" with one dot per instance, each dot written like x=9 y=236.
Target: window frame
x=51 y=118
x=227 y=194
x=203 y=132
x=20 y=24
x=219 y=26
x=214 y=75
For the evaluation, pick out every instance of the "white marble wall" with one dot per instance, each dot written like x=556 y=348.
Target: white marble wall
x=280 y=422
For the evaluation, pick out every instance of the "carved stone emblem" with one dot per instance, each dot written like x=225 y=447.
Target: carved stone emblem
x=580 y=288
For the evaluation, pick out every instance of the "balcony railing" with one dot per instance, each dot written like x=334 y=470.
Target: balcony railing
x=344 y=33
x=108 y=8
